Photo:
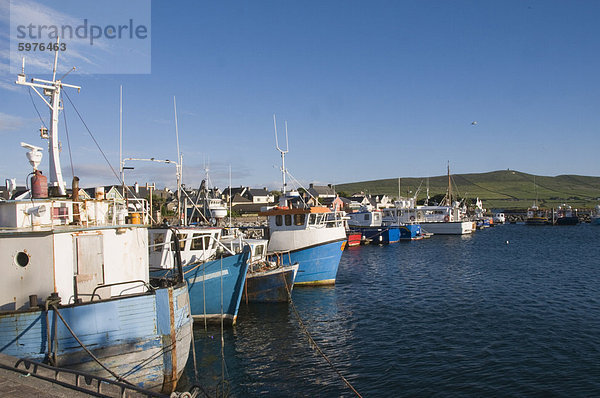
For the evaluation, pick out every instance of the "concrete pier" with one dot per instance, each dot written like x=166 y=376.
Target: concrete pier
x=19 y=383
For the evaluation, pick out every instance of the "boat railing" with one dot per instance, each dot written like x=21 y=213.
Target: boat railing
x=80 y=381
x=138 y=281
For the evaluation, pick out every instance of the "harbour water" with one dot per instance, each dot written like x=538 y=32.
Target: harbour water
x=513 y=310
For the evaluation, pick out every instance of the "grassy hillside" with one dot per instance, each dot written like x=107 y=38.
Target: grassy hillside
x=503 y=189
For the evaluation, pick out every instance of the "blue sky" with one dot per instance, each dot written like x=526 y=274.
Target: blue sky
x=370 y=90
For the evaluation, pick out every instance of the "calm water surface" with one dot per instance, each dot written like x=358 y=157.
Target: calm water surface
x=448 y=316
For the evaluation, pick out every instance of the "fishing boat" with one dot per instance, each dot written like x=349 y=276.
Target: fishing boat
x=269 y=279
x=481 y=220
x=499 y=218
x=405 y=219
x=75 y=286
x=368 y=223
x=214 y=273
x=566 y=216
x=314 y=236
x=536 y=216
x=212 y=209
x=595 y=216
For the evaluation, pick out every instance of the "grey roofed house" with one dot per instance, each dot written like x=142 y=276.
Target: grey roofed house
x=239 y=199
x=321 y=191
x=260 y=195
x=234 y=191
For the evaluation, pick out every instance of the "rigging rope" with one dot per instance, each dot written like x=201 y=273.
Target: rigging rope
x=68 y=142
x=36 y=109
x=92 y=136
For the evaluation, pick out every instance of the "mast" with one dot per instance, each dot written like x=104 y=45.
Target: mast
x=449 y=200
x=178 y=165
x=229 y=196
x=121 y=135
x=283 y=152
x=51 y=89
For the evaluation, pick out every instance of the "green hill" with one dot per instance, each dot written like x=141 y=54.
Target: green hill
x=503 y=189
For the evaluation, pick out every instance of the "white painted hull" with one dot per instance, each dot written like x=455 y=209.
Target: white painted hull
x=448 y=228
x=291 y=240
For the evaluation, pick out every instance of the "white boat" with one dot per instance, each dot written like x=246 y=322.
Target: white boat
x=313 y=237
x=499 y=218
x=75 y=288
x=438 y=220
x=595 y=216
x=365 y=217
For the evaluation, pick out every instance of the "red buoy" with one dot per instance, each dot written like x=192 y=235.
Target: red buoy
x=39 y=185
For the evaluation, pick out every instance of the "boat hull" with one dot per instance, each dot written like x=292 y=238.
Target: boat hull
x=317 y=265
x=448 y=228
x=595 y=220
x=354 y=239
x=537 y=221
x=567 y=221
x=410 y=232
x=381 y=235
x=213 y=282
x=144 y=338
x=272 y=286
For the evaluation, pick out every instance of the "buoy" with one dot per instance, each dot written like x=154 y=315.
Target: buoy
x=507 y=242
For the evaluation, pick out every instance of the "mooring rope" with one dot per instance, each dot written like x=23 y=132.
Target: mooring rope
x=314 y=343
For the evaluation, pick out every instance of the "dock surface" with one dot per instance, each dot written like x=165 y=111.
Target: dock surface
x=14 y=383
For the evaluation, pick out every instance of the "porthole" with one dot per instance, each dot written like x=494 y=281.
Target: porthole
x=22 y=259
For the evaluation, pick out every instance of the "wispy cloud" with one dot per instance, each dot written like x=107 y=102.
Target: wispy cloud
x=104 y=56
x=11 y=123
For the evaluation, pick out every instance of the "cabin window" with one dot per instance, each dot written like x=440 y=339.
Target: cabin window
x=198 y=242
x=366 y=217
x=182 y=242
x=22 y=259
x=259 y=250
x=158 y=242
x=279 y=220
x=312 y=219
x=288 y=219
x=299 y=219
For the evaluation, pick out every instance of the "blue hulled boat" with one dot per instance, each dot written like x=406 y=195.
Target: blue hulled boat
x=369 y=223
x=314 y=237
x=75 y=288
x=410 y=232
x=215 y=274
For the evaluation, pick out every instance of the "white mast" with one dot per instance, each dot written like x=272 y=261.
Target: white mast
x=121 y=135
x=229 y=196
x=178 y=164
x=283 y=152
x=51 y=89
